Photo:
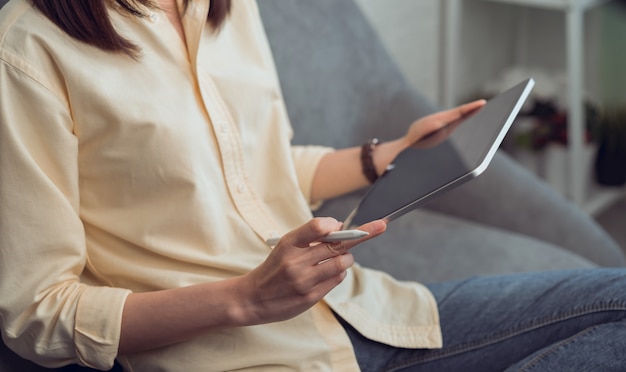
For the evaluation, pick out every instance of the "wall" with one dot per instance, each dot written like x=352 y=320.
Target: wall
x=411 y=31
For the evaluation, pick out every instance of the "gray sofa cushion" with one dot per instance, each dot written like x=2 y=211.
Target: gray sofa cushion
x=432 y=247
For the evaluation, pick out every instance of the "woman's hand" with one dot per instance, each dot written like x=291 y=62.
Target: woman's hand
x=299 y=272
x=294 y=277
x=340 y=172
x=427 y=125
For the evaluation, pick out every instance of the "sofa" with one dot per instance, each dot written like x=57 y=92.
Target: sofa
x=341 y=88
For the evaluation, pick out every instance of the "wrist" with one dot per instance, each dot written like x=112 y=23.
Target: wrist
x=242 y=311
x=386 y=152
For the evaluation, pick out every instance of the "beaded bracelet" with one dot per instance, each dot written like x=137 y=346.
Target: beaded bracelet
x=367 y=159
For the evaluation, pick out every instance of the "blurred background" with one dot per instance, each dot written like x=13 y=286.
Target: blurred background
x=458 y=50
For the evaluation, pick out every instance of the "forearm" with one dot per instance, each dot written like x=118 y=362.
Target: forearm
x=340 y=172
x=155 y=319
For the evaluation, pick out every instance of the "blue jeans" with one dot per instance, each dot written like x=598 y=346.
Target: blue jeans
x=552 y=321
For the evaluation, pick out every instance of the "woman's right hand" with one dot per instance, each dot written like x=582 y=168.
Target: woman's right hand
x=299 y=272
x=295 y=276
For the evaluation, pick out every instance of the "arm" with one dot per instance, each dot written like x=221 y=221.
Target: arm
x=289 y=282
x=340 y=172
x=46 y=314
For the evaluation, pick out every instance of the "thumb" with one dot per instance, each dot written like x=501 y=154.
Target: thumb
x=312 y=231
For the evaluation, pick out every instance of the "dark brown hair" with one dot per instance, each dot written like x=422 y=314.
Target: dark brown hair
x=88 y=20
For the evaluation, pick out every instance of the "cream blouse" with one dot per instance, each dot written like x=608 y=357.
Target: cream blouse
x=120 y=175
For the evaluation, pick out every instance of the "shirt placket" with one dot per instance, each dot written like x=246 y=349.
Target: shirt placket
x=225 y=131
x=231 y=151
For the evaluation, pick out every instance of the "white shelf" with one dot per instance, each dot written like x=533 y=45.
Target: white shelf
x=574 y=13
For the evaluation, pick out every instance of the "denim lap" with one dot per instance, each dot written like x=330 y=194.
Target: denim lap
x=590 y=348
x=527 y=320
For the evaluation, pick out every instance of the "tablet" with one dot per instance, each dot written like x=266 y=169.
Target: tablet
x=442 y=160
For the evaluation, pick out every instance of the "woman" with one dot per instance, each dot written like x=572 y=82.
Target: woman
x=145 y=162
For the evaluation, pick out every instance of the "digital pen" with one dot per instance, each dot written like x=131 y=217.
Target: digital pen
x=335 y=236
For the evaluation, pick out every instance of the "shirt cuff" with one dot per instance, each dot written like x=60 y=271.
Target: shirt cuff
x=98 y=325
x=306 y=159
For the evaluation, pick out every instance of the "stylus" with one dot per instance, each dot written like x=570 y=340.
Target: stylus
x=335 y=236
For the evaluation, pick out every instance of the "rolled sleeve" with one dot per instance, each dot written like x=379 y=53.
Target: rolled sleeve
x=47 y=314
x=306 y=160
x=97 y=342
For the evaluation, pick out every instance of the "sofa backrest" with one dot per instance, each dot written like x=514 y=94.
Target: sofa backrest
x=340 y=85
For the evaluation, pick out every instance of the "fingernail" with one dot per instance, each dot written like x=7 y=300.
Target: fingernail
x=380 y=224
x=347 y=260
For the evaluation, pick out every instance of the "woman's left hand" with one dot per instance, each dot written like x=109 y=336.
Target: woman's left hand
x=340 y=172
x=429 y=124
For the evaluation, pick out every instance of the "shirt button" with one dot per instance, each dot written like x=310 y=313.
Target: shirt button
x=241 y=188
x=154 y=18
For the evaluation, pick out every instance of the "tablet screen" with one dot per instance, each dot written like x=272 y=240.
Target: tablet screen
x=434 y=165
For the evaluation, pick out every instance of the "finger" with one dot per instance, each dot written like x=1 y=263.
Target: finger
x=461 y=111
x=331 y=272
x=309 y=279
x=324 y=251
x=471 y=106
x=436 y=128
x=374 y=228
x=334 y=266
x=311 y=231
